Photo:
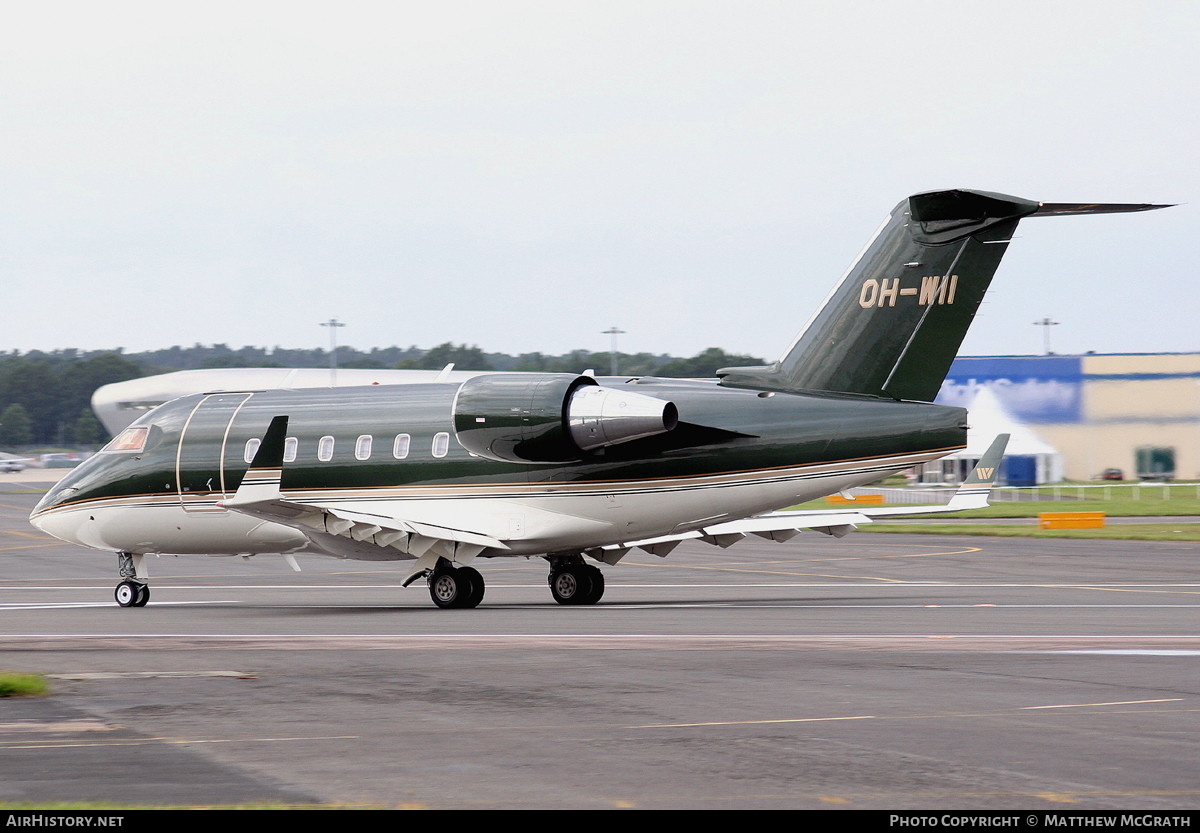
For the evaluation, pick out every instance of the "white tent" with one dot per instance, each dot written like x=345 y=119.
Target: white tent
x=987 y=417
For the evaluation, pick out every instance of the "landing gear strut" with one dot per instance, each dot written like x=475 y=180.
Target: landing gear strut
x=572 y=582
x=133 y=591
x=455 y=587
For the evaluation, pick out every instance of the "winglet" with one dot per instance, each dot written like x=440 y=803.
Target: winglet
x=988 y=467
x=974 y=491
x=262 y=479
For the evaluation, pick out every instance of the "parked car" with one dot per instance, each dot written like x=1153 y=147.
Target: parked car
x=61 y=460
x=9 y=462
x=1112 y=474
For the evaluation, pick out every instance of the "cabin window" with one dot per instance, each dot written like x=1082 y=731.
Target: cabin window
x=325 y=449
x=252 y=445
x=362 y=447
x=441 y=444
x=290 y=446
x=400 y=446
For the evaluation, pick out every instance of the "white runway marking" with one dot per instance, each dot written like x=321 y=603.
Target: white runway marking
x=75 y=605
x=83 y=676
x=52 y=605
x=1162 y=652
x=1114 y=703
x=1009 y=643
x=890 y=586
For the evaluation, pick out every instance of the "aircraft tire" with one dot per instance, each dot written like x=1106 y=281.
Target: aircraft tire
x=126 y=594
x=477 y=586
x=572 y=585
x=143 y=595
x=597 y=589
x=452 y=588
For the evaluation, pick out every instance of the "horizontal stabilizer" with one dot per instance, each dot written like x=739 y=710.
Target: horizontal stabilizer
x=894 y=322
x=1059 y=209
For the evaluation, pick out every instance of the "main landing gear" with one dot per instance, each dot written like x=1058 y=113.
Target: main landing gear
x=133 y=591
x=572 y=582
x=455 y=587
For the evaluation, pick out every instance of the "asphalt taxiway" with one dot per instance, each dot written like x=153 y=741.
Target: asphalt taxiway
x=875 y=671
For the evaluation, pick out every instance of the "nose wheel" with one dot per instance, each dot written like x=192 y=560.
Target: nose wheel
x=133 y=591
x=132 y=594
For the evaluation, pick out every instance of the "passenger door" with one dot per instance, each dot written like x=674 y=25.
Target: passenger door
x=200 y=460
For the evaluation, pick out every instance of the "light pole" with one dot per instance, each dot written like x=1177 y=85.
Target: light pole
x=1047 y=323
x=612 y=353
x=332 y=324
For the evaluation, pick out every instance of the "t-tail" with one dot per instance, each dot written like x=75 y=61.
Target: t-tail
x=895 y=321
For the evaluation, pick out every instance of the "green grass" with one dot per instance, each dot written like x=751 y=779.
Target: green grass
x=13 y=684
x=1119 y=532
x=1117 y=500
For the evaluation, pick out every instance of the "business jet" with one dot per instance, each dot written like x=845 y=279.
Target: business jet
x=449 y=471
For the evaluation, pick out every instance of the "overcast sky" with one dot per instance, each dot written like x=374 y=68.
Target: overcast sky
x=524 y=175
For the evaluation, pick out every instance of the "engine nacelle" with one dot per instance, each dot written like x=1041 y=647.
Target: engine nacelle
x=552 y=417
x=599 y=416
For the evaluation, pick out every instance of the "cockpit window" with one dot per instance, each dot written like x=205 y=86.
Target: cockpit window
x=131 y=439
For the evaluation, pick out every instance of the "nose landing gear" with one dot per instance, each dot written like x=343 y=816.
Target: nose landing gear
x=132 y=591
x=132 y=594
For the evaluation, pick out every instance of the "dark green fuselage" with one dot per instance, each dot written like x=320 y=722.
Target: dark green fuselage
x=722 y=431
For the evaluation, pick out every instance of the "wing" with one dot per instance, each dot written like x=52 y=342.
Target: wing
x=259 y=495
x=781 y=526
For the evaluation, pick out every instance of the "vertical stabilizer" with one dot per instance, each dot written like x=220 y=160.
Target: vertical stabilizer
x=894 y=323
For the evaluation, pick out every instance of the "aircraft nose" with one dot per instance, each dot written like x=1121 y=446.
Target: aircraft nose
x=56 y=495
x=44 y=522
x=59 y=524
x=54 y=515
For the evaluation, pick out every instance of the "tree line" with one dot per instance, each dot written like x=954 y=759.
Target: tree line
x=45 y=397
